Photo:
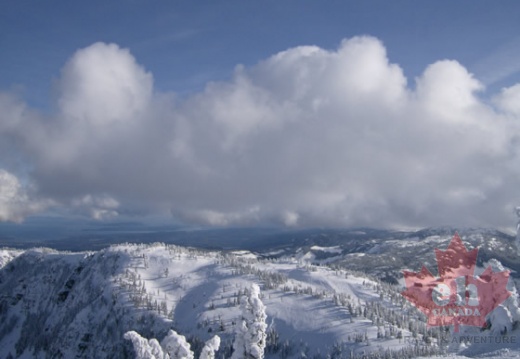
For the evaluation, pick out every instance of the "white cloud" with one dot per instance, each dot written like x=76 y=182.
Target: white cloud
x=290 y=219
x=99 y=207
x=102 y=84
x=306 y=137
x=218 y=218
x=448 y=90
x=15 y=202
x=509 y=100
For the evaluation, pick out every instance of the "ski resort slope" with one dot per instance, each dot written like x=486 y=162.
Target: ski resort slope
x=63 y=305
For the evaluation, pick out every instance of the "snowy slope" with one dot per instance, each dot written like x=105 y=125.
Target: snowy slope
x=385 y=254
x=80 y=305
x=7 y=255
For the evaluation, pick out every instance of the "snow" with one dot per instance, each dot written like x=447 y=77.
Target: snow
x=7 y=255
x=173 y=346
x=334 y=249
x=176 y=346
x=244 y=254
x=53 y=303
x=250 y=339
x=210 y=348
x=144 y=349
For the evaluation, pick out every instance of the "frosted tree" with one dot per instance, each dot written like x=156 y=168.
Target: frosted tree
x=251 y=334
x=157 y=350
x=176 y=346
x=239 y=345
x=173 y=346
x=210 y=348
x=145 y=349
x=507 y=315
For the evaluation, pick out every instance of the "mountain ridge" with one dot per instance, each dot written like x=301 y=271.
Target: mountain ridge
x=79 y=304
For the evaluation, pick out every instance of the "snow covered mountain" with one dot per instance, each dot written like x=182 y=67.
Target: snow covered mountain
x=319 y=300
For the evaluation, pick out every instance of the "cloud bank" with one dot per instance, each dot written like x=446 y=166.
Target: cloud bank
x=307 y=137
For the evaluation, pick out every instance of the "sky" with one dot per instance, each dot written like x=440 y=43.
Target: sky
x=400 y=114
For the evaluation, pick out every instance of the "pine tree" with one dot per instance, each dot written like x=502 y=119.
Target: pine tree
x=251 y=335
x=176 y=346
x=210 y=348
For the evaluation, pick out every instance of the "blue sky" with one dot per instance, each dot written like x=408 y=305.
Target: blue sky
x=184 y=110
x=185 y=44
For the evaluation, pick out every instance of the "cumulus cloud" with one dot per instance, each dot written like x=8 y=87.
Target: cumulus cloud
x=306 y=137
x=509 y=100
x=102 y=84
x=448 y=90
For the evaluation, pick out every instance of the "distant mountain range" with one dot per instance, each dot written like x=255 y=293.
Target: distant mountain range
x=386 y=252
x=327 y=292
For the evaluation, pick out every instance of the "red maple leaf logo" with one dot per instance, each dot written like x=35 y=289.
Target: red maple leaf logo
x=456 y=297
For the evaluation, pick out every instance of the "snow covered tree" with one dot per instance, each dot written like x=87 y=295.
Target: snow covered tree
x=507 y=315
x=145 y=349
x=239 y=344
x=157 y=350
x=251 y=335
x=210 y=348
x=173 y=346
x=176 y=346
